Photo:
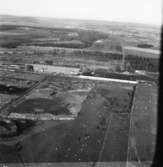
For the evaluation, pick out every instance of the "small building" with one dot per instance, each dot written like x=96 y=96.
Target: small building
x=29 y=67
x=135 y=58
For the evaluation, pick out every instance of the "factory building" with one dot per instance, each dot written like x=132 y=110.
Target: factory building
x=135 y=58
x=41 y=68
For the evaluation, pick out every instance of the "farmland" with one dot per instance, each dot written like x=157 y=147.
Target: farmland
x=65 y=98
x=39 y=41
x=96 y=103
x=106 y=117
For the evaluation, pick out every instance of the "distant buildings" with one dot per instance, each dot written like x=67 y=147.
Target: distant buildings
x=135 y=58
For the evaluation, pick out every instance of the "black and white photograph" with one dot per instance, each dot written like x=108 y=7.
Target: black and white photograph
x=80 y=83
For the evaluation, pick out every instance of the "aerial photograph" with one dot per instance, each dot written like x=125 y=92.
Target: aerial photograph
x=79 y=82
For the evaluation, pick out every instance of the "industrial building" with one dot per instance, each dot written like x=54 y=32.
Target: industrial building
x=41 y=68
x=135 y=58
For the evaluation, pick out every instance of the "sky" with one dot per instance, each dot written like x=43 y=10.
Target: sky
x=139 y=11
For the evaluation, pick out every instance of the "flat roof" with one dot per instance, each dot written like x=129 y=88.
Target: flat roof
x=145 y=52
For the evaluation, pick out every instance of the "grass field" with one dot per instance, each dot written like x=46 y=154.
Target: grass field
x=97 y=103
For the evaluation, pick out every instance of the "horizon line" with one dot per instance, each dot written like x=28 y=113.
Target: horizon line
x=84 y=19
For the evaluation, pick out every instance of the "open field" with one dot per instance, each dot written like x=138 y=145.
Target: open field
x=54 y=97
x=61 y=37
x=13 y=85
x=71 y=42
x=97 y=103
x=106 y=129
x=143 y=125
x=128 y=33
x=65 y=98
